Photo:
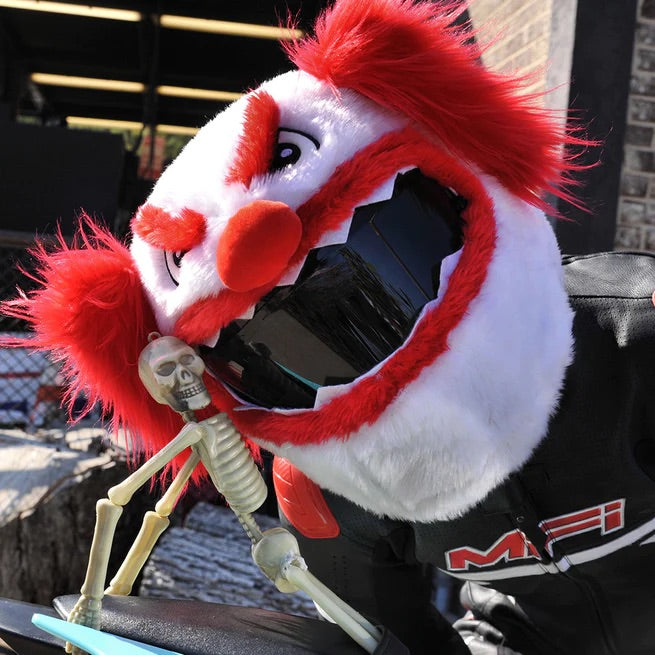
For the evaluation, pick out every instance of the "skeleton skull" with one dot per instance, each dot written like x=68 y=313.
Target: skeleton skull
x=172 y=372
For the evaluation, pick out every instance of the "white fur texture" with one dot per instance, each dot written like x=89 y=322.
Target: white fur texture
x=476 y=415
x=196 y=180
x=468 y=420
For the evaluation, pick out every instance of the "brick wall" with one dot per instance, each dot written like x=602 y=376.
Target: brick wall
x=524 y=28
x=533 y=37
x=537 y=37
x=636 y=215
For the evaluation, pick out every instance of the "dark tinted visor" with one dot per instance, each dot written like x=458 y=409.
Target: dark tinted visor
x=353 y=304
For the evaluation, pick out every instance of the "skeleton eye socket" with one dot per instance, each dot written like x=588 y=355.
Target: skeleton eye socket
x=290 y=148
x=187 y=359
x=166 y=369
x=173 y=261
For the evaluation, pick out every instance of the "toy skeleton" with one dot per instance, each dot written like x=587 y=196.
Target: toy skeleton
x=171 y=371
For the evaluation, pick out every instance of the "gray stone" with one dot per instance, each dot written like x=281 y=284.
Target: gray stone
x=642 y=85
x=645 y=34
x=641 y=110
x=632 y=213
x=639 y=160
x=48 y=494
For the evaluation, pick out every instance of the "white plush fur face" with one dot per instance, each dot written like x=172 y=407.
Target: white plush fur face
x=196 y=180
x=477 y=413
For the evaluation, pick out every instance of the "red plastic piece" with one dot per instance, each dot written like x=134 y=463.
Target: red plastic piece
x=257 y=244
x=302 y=502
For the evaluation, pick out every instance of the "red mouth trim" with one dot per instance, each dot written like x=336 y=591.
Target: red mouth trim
x=349 y=186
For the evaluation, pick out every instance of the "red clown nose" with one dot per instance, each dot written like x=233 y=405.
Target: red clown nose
x=257 y=244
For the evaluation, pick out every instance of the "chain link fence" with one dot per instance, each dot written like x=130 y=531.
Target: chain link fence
x=30 y=388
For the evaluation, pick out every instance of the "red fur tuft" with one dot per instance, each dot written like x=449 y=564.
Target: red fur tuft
x=256 y=145
x=91 y=314
x=173 y=233
x=410 y=58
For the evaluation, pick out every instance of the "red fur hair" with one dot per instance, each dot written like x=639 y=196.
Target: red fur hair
x=410 y=58
x=91 y=314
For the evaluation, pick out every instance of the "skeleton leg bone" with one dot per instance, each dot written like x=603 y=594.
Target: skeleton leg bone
x=349 y=619
x=108 y=511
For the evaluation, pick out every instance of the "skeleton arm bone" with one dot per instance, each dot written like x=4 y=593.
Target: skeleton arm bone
x=154 y=523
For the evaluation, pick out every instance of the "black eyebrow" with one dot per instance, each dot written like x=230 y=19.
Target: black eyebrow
x=307 y=136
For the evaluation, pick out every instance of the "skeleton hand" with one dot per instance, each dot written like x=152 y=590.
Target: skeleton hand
x=86 y=612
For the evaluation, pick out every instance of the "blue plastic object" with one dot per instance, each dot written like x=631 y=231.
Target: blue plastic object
x=93 y=641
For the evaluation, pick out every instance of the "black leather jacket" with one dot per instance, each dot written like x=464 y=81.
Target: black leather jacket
x=570 y=537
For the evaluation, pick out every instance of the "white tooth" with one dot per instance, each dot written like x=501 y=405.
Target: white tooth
x=383 y=192
x=340 y=235
x=248 y=314
x=211 y=341
x=325 y=394
x=291 y=275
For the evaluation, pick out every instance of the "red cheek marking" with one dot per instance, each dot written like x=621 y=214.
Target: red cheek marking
x=167 y=232
x=257 y=244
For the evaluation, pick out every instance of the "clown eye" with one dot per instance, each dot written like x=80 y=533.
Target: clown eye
x=286 y=154
x=290 y=147
x=173 y=261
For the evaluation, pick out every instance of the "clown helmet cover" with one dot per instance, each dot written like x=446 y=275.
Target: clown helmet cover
x=358 y=249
